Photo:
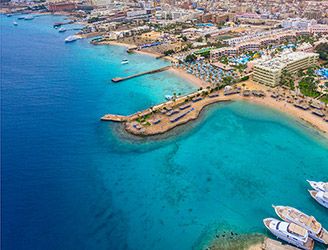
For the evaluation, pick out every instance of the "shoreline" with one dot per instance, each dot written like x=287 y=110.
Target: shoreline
x=305 y=117
x=141 y=52
x=136 y=125
x=190 y=78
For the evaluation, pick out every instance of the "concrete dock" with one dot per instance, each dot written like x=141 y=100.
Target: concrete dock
x=270 y=244
x=119 y=79
x=114 y=118
x=121 y=118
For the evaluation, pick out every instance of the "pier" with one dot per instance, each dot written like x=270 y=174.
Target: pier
x=59 y=24
x=114 y=118
x=119 y=79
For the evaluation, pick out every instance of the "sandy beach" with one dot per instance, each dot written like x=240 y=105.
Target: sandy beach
x=306 y=117
x=130 y=46
x=190 y=78
x=134 y=124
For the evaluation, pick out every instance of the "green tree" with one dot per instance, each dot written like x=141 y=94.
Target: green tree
x=322 y=49
x=190 y=58
x=207 y=36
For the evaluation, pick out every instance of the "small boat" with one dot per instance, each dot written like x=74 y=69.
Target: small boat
x=290 y=232
x=70 y=39
x=28 y=17
x=9 y=15
x=319 y=185
x=21 y=17
x=292 y=215
x=168 y=97
x=125 y=61
x=62 y=29
x=320 y=197
x=15 y=23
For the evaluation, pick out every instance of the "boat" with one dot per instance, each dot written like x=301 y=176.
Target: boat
x=15 y=23
x=290 y=232
x=62 y=29
x=28 y=17
x=319 y=185
x=168 y=97
x=9 y=15
x=70 y=39
x=125 y=61
x=292 y=215
x=21 y=17
x=320 y=197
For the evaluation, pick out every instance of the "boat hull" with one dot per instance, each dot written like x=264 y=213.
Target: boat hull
x=285 y=238
x=318 y=186
x=314 y=235
x=318 y=199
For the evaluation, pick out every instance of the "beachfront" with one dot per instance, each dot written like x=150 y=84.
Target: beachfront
x=166 y=116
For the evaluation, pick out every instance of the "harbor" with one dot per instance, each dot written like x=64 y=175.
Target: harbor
x=298 y=228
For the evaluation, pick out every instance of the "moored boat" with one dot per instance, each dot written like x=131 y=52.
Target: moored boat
x=15 y=23
x=62 y=29
x=168 y=97
x=125 y=61
x=320 y=197
x=28 y=17
x=292 y=215
x=319 y=185
x=290 y=232
x=70 y=39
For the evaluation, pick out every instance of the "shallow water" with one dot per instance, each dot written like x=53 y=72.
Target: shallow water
x=70 y=181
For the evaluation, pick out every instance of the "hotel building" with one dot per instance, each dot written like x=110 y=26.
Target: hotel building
x=269 y=72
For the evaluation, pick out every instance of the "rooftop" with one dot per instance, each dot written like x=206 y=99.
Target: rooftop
x=283 y=60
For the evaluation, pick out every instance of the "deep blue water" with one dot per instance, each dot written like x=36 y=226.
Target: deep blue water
x=70 y=181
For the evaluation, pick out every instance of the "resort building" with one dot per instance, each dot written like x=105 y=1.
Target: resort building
x=269 y=72
x=297 y=23
x=319 y=28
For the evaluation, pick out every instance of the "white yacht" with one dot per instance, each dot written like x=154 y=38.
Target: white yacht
x=292 y=215
x=62 y=29
x=29 y=17
x=290 y=232
x=319 y=185
x=125 y=61
x=320 y=197
x=70 y=39
x=15 y=23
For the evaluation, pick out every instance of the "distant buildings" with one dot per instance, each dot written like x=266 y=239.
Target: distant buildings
x=61 y=6
x=297 y=23
x=269 y=72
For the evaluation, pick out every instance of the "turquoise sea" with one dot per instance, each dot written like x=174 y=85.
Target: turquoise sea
x=69 y=181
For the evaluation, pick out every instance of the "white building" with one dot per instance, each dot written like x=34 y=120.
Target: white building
x=298 y=23
x=268 y=72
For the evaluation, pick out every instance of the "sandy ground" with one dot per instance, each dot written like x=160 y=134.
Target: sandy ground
x=270 y=244
x=144 y=52
x=189 y=77
x=283 y=106
x=166 y=124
